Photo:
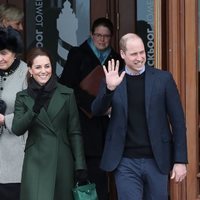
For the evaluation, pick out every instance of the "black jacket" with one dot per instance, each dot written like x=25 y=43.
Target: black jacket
x=80 y=62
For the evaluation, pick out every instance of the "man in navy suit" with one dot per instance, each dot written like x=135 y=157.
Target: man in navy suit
x=146 y=136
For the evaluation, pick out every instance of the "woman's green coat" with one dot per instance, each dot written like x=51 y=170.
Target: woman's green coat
x=54 y=147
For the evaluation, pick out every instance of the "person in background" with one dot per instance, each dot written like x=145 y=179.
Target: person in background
x=146 y=136
x=54 y=147
x=12 y=79
x=11 y=15
x=83 y=72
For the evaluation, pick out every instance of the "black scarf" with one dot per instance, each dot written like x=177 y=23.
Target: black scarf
x=48 y=89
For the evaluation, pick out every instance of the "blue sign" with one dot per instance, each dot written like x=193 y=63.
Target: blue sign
x=145 y=27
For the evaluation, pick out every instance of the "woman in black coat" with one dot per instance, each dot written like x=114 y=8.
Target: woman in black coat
x=83 y=72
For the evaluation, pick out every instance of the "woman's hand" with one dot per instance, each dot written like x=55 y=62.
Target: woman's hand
x=113 y=79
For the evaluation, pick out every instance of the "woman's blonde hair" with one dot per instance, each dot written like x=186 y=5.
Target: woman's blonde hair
x=10 y=12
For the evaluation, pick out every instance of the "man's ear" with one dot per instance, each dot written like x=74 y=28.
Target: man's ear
x=122 y=54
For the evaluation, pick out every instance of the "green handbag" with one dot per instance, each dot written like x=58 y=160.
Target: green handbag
x=85 y=192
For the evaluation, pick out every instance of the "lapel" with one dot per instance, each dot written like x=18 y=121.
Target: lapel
x=29 y=101
x=55 y=104
x=123 y=96
x=149 y=82
x=57 y=100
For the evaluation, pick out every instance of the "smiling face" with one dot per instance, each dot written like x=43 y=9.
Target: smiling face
x=41 y=69
x=101 y=37
x=134 y=55
x=7 y=57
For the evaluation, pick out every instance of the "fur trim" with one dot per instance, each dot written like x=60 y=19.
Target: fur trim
x=11 y=39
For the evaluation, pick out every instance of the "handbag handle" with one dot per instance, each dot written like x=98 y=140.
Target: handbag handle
x=78 y=184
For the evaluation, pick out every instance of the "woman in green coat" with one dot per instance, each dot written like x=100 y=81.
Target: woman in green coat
x=54 y=148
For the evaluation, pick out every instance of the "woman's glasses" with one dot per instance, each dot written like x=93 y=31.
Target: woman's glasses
x=99 y=36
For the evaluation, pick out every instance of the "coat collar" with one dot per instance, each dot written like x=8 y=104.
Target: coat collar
x=149 y=83
x=123 y=95
x=47 y=117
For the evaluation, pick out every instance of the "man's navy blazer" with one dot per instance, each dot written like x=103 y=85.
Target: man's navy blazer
x=165 y=120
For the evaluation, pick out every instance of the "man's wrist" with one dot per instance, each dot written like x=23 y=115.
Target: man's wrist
x=109 y=91
x=111 y=88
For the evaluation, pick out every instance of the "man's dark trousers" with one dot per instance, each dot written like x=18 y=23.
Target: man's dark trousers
x=140 y=179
